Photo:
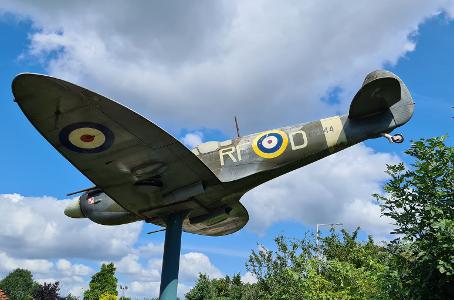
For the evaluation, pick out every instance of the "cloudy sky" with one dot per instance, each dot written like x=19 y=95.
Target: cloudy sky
x=190 y=67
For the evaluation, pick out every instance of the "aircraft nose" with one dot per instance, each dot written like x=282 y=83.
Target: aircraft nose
x=72 y=210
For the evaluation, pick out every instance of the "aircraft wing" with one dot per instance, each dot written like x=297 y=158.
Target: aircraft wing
x=131 y=159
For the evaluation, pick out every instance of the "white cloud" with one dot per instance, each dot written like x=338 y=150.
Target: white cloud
x=37 y=236
x=139 y=289
x=131 y=266
x=150 y=249
x=36 y=227
x=144 y=288
x=248 y=277
x=144 y=278
x=8 y=264
x=193 y=263
x=335 y=189
x=196 y=65
x=70 y=269
x=71 y=276
x=192 y=139
x=77 y=290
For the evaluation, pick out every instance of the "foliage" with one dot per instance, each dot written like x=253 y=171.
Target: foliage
x=202 y=290
x=102 y=282
x=420 y=200
x=18 y=285
x=107 y=296
x=71 y=297
x=220 y=289
x=343 y=269
x=47 y=291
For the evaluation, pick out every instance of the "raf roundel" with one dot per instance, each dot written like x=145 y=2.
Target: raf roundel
x=270 y=144
x=86 y=137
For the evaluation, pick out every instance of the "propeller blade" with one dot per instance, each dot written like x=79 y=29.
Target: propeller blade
x=82 y=191
x=155 y=231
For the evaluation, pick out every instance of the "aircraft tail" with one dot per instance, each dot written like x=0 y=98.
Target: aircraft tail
x=382 y=94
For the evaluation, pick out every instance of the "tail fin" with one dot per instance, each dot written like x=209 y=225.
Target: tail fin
x=382 y=92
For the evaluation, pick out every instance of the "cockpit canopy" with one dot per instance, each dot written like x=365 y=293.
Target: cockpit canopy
x=210 y=146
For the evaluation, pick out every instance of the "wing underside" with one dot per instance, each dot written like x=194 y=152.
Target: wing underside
x=132 y=160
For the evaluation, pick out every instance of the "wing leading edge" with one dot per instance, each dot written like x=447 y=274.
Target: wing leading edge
x=131 y=159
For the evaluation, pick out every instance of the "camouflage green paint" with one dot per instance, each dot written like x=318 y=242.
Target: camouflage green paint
x=146 y=174
x=323 y=137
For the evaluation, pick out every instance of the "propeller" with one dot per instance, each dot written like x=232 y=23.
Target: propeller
x=83 y=191
x=156 y=231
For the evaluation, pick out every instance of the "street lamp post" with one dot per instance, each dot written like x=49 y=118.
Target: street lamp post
x=123 y=288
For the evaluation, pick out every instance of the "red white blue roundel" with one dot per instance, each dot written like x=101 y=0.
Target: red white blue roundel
x=86 y=137
x=270 y=144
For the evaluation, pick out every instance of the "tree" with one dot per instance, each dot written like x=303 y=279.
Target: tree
x=47 y=291
x=71 y=297
x=220 y=289
x=107 y=296
x=203 y=289
x=18 y=285
x=102 y=282
x=345 y=268
x=420 y=200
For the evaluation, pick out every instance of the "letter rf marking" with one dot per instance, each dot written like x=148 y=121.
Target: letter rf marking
x=240 y=147
x=227 y=151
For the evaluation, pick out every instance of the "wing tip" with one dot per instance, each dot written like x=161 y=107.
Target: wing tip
x=21 y=78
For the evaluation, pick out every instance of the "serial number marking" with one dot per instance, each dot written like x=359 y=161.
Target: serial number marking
x=328 y=130
x=333 y=131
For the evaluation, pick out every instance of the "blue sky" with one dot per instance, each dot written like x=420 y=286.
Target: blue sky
x=418 y=49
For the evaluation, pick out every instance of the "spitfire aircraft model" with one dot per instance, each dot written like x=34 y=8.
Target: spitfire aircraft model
x=143 y=173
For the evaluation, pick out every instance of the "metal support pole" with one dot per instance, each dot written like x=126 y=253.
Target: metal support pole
x=171 y=258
